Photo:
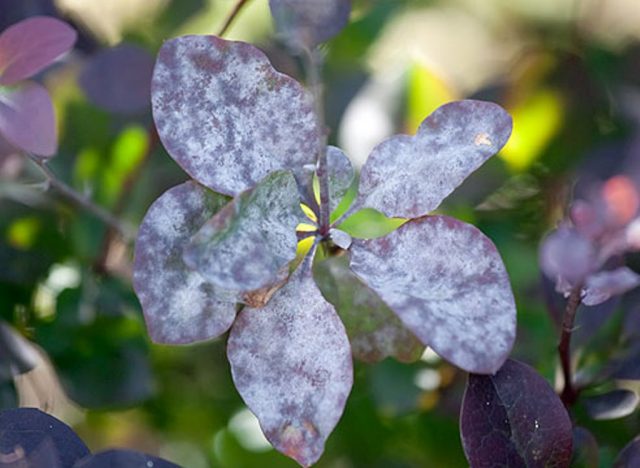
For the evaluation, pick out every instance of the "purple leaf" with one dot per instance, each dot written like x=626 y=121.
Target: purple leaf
x=304 y=24
x=246 y=244
x=374 y=330
x=601 y=286
x=629 y=457
x=340 y=238
x=585 y=449
x=31 y=45
x=611 y=405
x=123 y=459
x=409 y=176
x=178 y=304
x=227 y=117
x=119 y=79
x=514 y=418
x=567 y=255
x=27 y=120
x=30 y=428
x=291 y=362
x=340 y=173
x=446 y=281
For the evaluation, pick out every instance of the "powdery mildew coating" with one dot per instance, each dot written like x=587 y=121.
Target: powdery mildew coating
x=227 y=117
x=291 y=362
x=341 y=174
x=447 y=283
x=246 y=245
x=374 y=330
x=178 y=304
x=305 y=24
x=409 y=176
x=514 y=418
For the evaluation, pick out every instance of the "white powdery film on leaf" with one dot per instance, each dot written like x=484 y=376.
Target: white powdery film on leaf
x=341 y=174
x=245 y=246
x=409 y=176
x=447 y=283
x=227 y=117
x=601 y=286
x=291 y=363
x=304 y=24
x=178 y=304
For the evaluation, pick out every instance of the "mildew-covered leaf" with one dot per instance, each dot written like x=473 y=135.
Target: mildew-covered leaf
x=601 y=286
x=514 y=418
x=30 y=45
x=291 y=362
x=304 y=24
x=30 y=428
x=227 y=117
x=629 y=457
x=340 y=173
x=123 y=459
x=374 y=330
x=446 y=281
x=246 y=244
x=178 y=304
x=27 y=119
x=409 y=176
x=615 y=404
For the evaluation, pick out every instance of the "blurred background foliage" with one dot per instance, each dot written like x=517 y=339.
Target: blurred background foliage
x=567 y=70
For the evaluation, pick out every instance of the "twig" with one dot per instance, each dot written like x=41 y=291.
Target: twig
x=232 y=16
x=569 y=393
x=81 y=201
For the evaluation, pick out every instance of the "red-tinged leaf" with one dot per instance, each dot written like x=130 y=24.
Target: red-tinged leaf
x=178 y=304
x=409 y=176
x=447 y=283
x=629 y=457
x=31 y=45
x=567 y=256
x=341 y=174
x=603 y=285
x=246 y=244
x=30 y=429
x=374 y=331
x=291 y=363
x=227 y=117
x=514 y=418
x=27 y=119
x=305 y=24
x=611 y=405
x=123 y=459
x=119 y=79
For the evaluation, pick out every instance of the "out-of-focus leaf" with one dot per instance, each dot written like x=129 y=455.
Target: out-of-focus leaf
x=374 y=330
x=567 y=255
x=16 y=355
x=611 y=405
x=627 y=366
x=44 y=455
x=119 y=79
x=601 y=286
x=426 y=91
x=447 y=283
x=291 y=362
x=341 y=175
x=123 y=459
x=304 y=24
x=28 y=428
x=227 y=117
x=30 y=45
x=340 y=238
x=514 y=418
x=27 y=120
x=408 y=176
x=246 y=244
x=14 y=11
x=585 y=449
x=629 y=457
x=178 y=304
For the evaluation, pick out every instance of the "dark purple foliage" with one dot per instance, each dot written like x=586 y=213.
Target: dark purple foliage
x=629 y=457
x=123 y=459
x=611 y=405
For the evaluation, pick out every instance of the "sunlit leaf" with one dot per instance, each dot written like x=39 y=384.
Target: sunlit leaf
x=227 y=117
x=514 y=418
x=611 y=405
x=601 y=286
x=123 y=459
x=629 y=457
x=30 y=45
x=246 y=244
x=179 y=306
x=374 y=330
x=291 y=362
x=447 y=283
x=28 y=428
x=305 y=24
x=408 y=176
x=27 y=120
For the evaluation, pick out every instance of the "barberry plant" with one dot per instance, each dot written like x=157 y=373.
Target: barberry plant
x=214 y=254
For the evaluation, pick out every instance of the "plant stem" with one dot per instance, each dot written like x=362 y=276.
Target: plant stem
x=83 y=202
x=313 y=65
x=232 y=16
x=569 y=393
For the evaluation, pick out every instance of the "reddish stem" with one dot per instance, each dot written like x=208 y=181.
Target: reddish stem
x=232 y=16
